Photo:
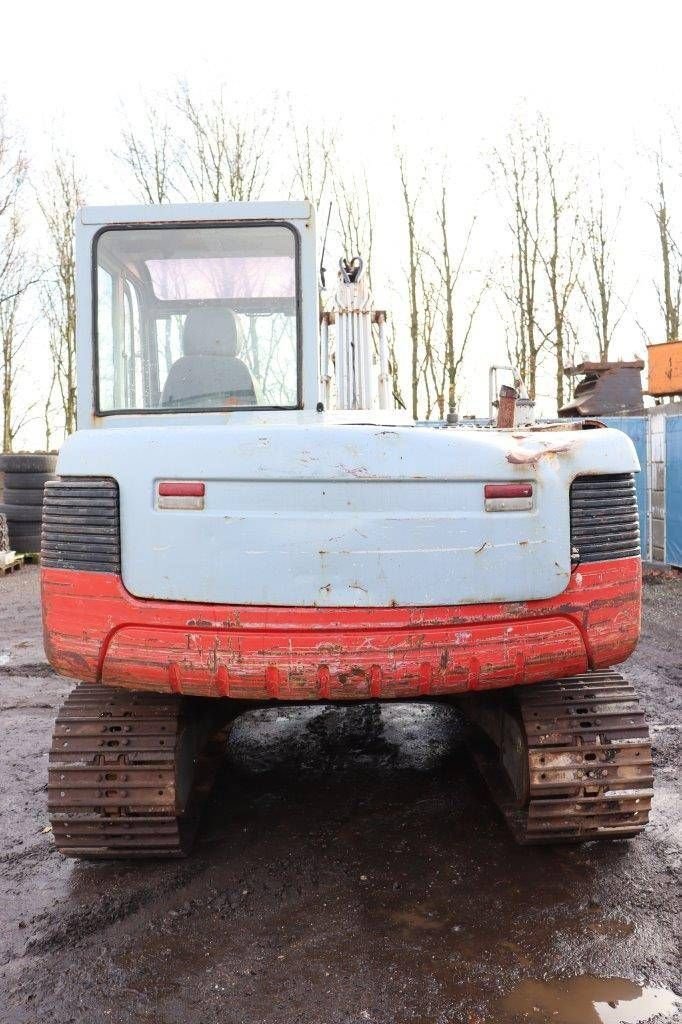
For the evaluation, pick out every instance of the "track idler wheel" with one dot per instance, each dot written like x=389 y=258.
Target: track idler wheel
x=565 y=761
x=129 y=772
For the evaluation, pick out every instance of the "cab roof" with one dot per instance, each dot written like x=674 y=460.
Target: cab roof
x=167 y=213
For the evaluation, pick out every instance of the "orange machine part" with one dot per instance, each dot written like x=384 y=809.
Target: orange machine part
x=665 y=368
x=96 y=631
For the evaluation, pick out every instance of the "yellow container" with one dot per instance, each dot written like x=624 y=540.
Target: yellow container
x=665 y=368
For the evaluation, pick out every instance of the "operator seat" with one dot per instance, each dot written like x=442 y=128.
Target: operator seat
x=209 y=374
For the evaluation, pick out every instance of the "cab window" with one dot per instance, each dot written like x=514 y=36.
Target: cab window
x=197 y=318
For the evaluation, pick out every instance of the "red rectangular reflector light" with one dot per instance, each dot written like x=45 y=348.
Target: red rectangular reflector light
x=181 y=489
x=508 y=491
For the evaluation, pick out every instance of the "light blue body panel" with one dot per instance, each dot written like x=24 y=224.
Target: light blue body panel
x=306 y=509
x=673 y=488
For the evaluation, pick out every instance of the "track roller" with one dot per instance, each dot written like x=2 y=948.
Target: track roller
x=565 y=761
x=129 y=772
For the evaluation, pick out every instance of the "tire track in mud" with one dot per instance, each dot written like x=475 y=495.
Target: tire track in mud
x=109 y=909
x=32 y=669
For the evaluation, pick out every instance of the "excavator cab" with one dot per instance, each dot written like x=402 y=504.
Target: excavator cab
x=198 y=316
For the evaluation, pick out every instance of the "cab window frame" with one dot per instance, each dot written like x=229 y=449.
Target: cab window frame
x=185 y=225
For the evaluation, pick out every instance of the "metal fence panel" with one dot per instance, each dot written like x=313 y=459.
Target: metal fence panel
x=636 y=429
x=673 y=490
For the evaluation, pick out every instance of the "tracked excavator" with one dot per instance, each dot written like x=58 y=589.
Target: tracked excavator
x=243 y=518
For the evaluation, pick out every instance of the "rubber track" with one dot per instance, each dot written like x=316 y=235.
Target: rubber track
x=589 y=761
x=112 y=781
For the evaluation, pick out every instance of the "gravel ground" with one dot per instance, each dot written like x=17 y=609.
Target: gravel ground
x=350 y=868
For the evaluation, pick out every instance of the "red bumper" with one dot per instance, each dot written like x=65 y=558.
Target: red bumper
x=96 y=631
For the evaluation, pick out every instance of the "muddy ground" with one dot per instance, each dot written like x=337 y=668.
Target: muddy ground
x=350 y=868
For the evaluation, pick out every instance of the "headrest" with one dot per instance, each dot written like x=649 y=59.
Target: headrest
x=210 y=332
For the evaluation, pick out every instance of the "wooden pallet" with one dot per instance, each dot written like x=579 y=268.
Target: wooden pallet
x=12 y=566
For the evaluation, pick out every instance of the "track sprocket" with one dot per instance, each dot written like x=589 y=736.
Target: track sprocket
x=568 y=760
x=130 y=771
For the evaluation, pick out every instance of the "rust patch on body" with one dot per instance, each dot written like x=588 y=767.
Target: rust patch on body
x=521 y=457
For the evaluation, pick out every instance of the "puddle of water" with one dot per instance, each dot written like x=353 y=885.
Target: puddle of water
x=589 y=1000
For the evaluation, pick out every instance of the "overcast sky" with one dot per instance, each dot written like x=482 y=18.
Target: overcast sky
x=449 y=75
x=600 y=65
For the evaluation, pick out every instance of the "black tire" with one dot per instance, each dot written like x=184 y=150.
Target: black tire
x=25 y=548
x=18 y=481
x=24 y=543
x=22 y=513
x=23 y=496
x=37 y=462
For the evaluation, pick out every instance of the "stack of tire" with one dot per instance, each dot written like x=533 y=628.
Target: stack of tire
x=22 y=479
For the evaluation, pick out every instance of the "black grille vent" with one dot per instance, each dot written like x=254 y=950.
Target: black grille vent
x=81 y=524
x=604 y=518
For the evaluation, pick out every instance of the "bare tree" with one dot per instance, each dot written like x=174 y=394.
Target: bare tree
x=441 y=312
x=311 y=159
x=226 y=156
x=13 y=171
x=540 y=190
x=14 y=278
x=59 y=201
x=670 y=287
x=429 y=371
x=394 y=371
x=517 y=174
x=150 y=154
x=450 y=275
x=563 y=253
x=597 y=283
x=447 y=319
x=413 y=277
x=355 y=221
x=47 y=407
x=13 y=331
